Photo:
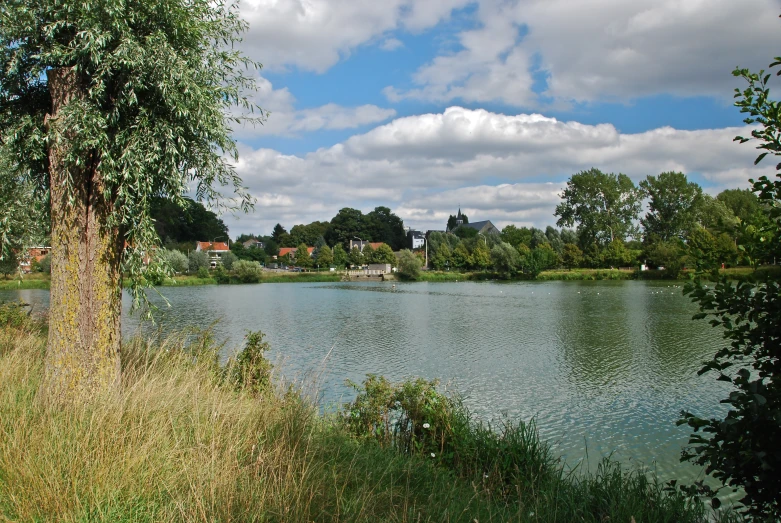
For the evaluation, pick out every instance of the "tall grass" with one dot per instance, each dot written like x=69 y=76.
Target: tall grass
x=183 y=439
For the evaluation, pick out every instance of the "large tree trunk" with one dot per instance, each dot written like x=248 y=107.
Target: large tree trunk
x=82 y=357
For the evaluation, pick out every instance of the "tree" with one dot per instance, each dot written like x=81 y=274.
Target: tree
x=308 y=234
x=516 y=236
x=571 y=256
x=345 y=226
x=441 y=257
x=368 y=254
x=9 y=263
x=104 y=107
x=278 y=233
x=460 y=257
x=540 y=258
x=741 y=449
x=302 y=256
x=355 y=257
x=340 y=256
x=481 y=256
x=604 y=206
x=505 y=259
x=271 y=248
x=384 y=254
x=325 y=257
x=409 y=265
x=189 y=222
x=384 y=226
x=673 y=207
x=743 y=203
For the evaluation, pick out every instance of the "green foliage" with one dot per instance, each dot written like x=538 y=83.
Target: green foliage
x=9 y=263
x=356 y=257
x=409 y=265
x=228 y=259
x=539 y=259
x=177 y=261
x=13 y=315
x=220 y=275
x=368 y=254
x=325 y=256
x=743 y=203
x=742 y=449
x=381 y=225
x=345 y=226
x=505 y=259
x=441 y=258
x=250 y=371
x=667 y=254
x=516 y=236
x=616 y=254
x=247 y=271
x=604 y=206
x=308 y=234
x=461 y=257
x=384 y=254
x=197 y=260
x=481 y=256
x=202 y=272
x=571 y=256
x=465 y=232
x=187 y=221
x=509 y=463
x=674 y=205
x=340 y=256
x=302 y=256
x=154 y=106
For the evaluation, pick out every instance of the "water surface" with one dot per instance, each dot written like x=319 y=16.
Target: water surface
x=604 y=367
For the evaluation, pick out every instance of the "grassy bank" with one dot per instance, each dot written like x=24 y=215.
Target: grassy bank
x=180 y=443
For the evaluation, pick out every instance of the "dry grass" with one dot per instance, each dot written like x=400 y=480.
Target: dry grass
x=176 y=445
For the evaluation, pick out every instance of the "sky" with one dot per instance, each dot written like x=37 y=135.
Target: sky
x=490 y=105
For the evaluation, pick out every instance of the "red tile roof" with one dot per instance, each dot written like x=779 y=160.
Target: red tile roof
x=375 y=245
x=216 y=246
x=288 y=250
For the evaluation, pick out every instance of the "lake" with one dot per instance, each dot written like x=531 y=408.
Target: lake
x=603 y=367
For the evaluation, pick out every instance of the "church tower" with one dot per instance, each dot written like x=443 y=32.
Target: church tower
x=459 y=218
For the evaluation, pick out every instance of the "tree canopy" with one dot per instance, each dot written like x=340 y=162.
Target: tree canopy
x=105 y=106
x=602 y=205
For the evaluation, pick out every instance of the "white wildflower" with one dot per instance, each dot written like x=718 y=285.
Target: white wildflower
x=433 y=455
x=426 y=425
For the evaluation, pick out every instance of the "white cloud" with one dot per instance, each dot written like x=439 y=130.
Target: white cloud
x=315 y=34
x=601 y=50
x=285 y=120
x=391 y=44
x=507 y=168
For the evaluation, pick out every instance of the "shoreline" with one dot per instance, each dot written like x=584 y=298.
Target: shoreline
x=39 y=281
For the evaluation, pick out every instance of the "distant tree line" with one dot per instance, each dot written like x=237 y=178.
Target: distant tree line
x=682 y=224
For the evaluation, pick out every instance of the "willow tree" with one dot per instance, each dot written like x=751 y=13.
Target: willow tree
x=106 y=105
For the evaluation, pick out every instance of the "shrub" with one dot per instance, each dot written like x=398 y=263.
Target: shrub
x=175 y=259
x=409 y=265
x=228 y=259
x=46 y=264
x=203 y=272
x=196 y=260
x=247 y=271
x=251 y=371
x=221 y=275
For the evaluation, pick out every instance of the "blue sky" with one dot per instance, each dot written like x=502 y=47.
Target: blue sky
x=490 y=104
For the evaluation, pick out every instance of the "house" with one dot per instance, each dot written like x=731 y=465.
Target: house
x=33 y=253
x=416 y=239
x=254 y=244
x=361 y=244
x=290 y=252
x=379 y=268
x=214 y=250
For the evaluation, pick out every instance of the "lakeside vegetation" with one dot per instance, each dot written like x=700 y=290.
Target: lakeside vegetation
x=41 y=281
x=184 y=439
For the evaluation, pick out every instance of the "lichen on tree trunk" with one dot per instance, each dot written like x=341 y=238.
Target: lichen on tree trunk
x=82 y=357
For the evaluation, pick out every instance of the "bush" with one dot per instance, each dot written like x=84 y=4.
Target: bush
x=409 y=265
x=247 y=271
x=197 y=260
x=45 y=265
x=228 y=259
x=203 y=272
x=221 y=275
x=13 y=315
x=174 y=259
x=251 y=371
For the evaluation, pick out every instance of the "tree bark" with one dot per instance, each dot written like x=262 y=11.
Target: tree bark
x=82 y=357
